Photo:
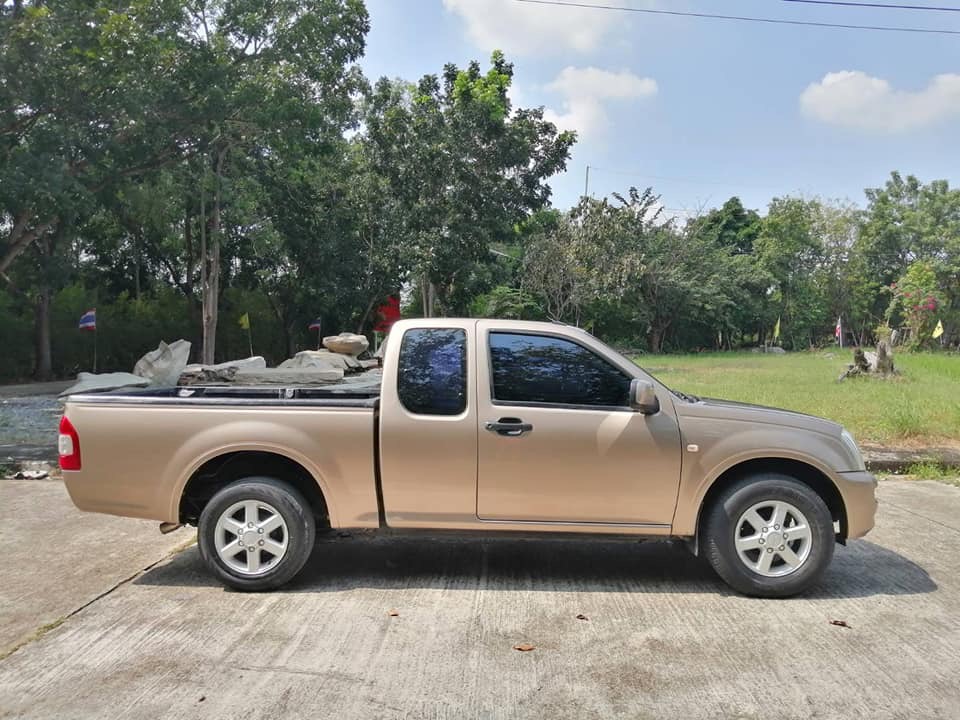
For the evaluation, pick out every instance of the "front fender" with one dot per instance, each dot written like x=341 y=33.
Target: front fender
x=711 y=448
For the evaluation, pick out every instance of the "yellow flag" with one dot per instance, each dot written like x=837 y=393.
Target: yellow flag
x=245 y=321
x=938 y=330
x=776 y=330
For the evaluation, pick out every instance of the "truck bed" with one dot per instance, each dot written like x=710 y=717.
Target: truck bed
x=140 y=448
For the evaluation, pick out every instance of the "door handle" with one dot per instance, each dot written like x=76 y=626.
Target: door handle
x=508 y=426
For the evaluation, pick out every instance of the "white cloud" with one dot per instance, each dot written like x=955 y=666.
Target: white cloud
x=851 y=98
x=584 y=92
x=526 y=29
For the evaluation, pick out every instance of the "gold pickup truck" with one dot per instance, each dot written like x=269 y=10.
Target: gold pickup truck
x=484 y=426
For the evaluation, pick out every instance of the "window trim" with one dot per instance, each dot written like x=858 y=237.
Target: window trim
x=466 y=375
x=549 y=405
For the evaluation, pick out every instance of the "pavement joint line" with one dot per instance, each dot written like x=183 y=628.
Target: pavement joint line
x=920 y=515
x=42 y=631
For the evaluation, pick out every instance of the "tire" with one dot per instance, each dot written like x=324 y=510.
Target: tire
x=766 y=561
x=256 y=534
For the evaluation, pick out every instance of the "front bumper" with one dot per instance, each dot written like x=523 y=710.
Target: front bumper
x=858 y=490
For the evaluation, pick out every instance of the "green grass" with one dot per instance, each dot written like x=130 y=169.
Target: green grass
x=920 y=407
x=932 y=471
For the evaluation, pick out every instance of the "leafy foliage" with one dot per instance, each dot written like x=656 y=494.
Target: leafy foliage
x=172 y=162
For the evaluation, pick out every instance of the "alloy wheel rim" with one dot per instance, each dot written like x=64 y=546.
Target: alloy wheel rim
x=773 y=538
x=251 y=537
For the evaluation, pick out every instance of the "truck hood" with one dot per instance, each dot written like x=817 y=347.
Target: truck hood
x=711 y=408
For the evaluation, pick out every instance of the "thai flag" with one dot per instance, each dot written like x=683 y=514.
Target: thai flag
x=315 y=325
x=88 y=321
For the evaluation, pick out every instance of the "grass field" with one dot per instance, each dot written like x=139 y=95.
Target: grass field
x=921 y=407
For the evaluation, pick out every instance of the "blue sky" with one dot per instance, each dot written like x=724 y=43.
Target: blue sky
x=704 y=109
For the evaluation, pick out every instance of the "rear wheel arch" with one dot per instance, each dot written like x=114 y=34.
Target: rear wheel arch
x=806 y=473
x=218 y=472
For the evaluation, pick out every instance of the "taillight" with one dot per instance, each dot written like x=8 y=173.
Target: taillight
x=68 y=445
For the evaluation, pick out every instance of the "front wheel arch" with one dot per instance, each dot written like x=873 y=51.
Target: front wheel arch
x=797 y=469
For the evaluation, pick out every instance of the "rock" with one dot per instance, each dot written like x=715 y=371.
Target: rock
x=163 y=366
x=30 y=475
x=288 y=376
x=776 y=350
x=204 y=376
x=250 y=363
x=89 y=382
x=346 y=343
x=322 y=359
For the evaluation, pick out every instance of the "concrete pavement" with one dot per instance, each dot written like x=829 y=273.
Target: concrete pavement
x=57 y=559
x=664 y=638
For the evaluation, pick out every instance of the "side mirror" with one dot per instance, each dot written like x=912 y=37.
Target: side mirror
x=643 y=397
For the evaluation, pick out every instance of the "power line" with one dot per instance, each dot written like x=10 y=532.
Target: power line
x=847 y=3
x=743 y=18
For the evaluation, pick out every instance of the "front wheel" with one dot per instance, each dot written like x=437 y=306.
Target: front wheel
x=256 y=534
x=769 y=535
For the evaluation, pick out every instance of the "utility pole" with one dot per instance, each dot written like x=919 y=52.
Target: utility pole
x=586 y=183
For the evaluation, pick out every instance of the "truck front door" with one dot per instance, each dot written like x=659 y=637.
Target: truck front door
x=557 y=440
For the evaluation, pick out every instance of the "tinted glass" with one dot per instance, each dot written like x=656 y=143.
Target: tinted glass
x=433 y=371
x=533 y=368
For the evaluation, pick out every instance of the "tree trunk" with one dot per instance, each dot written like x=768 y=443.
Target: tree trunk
x=291 y=342
x=366 y=316
x=137 y=260
x=210 y=265
x=20 y=238
x=43 y=352
x=43 y=355
x=426 y=295
x=657 y=333
x=655 y=339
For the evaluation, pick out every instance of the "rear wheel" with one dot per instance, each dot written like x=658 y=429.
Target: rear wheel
x=256 y=534
x=769 y=535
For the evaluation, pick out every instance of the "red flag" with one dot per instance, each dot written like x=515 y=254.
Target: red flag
x=388 y=313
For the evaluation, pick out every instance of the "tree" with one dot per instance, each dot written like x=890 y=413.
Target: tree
x=463 y=167
x=735 y=230
x=278 y=77
x=908 y=222
x=91 y=95
x=620 y=269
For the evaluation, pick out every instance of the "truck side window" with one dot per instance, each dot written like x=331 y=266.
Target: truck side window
x=432 y=375
x=543 y=369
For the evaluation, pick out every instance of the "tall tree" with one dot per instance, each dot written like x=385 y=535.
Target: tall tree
x=276 y=78
x=464 y=166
